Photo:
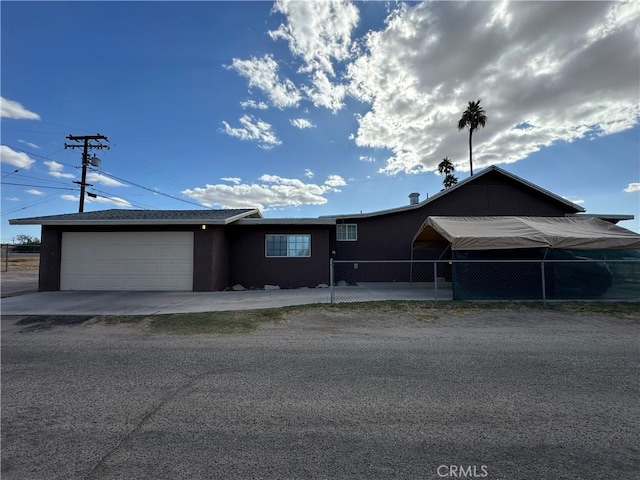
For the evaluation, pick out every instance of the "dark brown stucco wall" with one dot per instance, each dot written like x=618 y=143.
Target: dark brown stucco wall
x=50 y=253
x=203 y=260
x=389 y=237
x=251 y=268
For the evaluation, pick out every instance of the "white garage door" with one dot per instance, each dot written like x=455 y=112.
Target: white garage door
x=127 y=261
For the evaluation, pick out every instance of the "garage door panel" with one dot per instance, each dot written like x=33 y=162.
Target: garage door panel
x=127 y=261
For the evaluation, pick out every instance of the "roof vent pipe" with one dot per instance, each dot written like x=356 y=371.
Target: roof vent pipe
x=414 y=198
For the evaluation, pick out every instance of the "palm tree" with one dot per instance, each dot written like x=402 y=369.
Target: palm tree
x=446 y=167
x=473 y=117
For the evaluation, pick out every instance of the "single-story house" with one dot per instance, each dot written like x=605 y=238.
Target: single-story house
x=210 y=250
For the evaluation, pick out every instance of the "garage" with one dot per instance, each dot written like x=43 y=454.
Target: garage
x=127 y=261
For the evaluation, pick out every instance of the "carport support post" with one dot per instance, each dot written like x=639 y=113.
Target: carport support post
x=544 y=292
x=331 y=280
x=435 y=281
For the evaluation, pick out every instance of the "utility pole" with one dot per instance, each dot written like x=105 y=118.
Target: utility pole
x=86 y=145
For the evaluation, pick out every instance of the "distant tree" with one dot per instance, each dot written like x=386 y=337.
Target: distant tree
x=473 y=117
x=446 y=167
x=27 y=240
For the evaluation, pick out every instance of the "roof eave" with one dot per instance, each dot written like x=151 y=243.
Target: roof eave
x=286 y=221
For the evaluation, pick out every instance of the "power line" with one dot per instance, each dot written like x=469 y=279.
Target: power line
x=151 y=189
x=37 y=186
x=117 y=178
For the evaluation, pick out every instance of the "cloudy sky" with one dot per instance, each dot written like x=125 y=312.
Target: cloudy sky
x=313 y=108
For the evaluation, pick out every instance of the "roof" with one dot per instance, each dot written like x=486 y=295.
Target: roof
x=142 y=217
x=286 y=221
x=460 y=184
x=507 y=232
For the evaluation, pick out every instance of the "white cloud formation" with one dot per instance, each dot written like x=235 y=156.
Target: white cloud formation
x=32 y=145
x=253 y=129
x=95 y=177
x=262 y=73
x=33 y=191
x=56 y=169
x=301 y=123
x=17 y=159
x=318 y=32
x=308 y=173
x=253 y=104
x=632 y=187
x=364 y=158
x=12 y=109
x=271 y=191
x=12 y=199
x=234 y=180
x=569 y=69
x=577 y=202
x=115 y=201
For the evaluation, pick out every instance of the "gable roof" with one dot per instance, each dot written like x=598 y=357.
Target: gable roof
x=460 y=184
x=142 y=217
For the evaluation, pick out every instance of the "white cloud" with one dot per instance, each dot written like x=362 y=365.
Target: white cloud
x=32 y=145
x=301 y=123
x=577 y=202
x=12 y=199
x=115 y=201
x=94 y=177
x=334 y=181
x=262 y=73
x=632 y=187
x=253 y=129
x=234 y=180
x=12 y=109
x=271 y=191
x=318 y=32
x=364 y=158
x=33 y=191
x=569 y=69
x=17 y=159
x=254 y=104
x=308 y=173
x=56 y=170
x=325 y=93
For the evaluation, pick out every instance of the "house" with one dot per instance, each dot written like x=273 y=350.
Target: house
x=210 y=250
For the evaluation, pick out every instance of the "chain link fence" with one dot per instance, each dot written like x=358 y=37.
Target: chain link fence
x=19 y=257
x=541 y=280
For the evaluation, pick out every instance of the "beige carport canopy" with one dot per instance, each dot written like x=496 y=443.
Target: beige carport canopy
x=500 y=233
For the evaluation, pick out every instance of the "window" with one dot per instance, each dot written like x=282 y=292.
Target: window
x=347 y=232
x=288 y=245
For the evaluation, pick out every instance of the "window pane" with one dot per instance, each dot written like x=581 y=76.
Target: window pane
x=288 y=245
x=347 y=231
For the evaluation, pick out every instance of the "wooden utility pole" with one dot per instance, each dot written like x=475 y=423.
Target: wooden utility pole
x=86 y=145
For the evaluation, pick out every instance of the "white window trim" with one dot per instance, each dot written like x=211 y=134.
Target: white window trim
x=286 y=235
x=346 y=225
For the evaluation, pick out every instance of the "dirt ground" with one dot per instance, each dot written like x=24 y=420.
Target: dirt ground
x=20 y=277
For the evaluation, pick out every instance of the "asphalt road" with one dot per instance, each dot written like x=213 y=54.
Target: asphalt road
x=326 y=395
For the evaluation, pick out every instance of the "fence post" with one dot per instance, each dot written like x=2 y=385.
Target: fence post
x=331 y=282
x=435 y=281
x=544 y=287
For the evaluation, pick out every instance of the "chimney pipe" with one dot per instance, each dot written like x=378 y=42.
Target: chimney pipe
x=414 y=198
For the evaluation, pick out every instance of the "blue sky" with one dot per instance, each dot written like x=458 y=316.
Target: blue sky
x=314 y=108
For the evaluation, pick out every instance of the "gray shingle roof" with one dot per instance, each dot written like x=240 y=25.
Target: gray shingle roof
x=117 y=216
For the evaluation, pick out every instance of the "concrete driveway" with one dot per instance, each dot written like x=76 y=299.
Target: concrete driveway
x=144 y=303
x=328 y=394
